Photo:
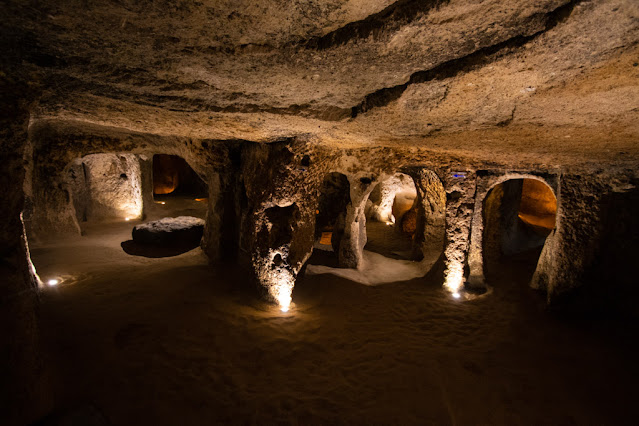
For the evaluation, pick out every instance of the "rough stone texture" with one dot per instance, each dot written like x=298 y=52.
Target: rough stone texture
x=170 y=230
x=245 y=92
x=114 y=186
x=383 y=198
x=277 y=229
x=577 y=247
x=430 y=213
x=354 y=238
x=146 y=182
x=460 y=195
x=24 y=393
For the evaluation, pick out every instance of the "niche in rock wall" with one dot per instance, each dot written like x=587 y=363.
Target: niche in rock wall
x=330 y=215
x=518 y=215
x=391 y=217
x=282 y=221
x=106 y=186
x=172 y=175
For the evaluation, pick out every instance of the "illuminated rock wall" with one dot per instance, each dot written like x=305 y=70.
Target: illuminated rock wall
x=24 y=390
x=246 y=179
x=114 y=186
x=430 y=213
x=391 y=198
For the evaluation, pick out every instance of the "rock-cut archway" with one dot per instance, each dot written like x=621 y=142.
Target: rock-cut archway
x=516 y=217
x=391 y=217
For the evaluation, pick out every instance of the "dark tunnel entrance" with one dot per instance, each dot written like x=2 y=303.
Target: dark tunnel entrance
x=172 y=176
x=330 y=219
x=518 y=216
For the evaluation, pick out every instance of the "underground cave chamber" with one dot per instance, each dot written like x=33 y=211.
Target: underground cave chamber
x=518 y=216
x=394 y=230
x=472 y=296
x=105 y=198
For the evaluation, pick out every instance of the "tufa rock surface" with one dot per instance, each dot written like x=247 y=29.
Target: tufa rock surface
x=181 y=230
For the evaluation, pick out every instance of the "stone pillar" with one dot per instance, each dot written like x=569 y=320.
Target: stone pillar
x=475 y=253
x=574 y=244
x=53 y=211
x=460 y=202
x=354 y=238
x=431 y=212
x=215 y=233
x=278 y=221
x=24 y=390
x=146 y=178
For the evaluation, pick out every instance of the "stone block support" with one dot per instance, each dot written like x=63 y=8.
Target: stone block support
x=354 y=238
x=460 y=202
x=278 y=219
x=24 y=389
x=431 y=212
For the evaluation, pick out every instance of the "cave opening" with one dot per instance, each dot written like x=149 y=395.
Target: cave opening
x=90 y=211
x=330 y=219
x=174 y=177
x=518 y=216
x=391 y=217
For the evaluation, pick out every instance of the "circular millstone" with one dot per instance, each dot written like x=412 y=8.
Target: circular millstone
x=170 y=230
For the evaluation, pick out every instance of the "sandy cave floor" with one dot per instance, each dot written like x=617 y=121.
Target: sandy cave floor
x=177 y=341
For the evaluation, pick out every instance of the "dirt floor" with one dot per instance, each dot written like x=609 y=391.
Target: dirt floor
x=175 y=341
x=387 y=240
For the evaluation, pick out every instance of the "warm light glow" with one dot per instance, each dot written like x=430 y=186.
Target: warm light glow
x=284 y=297
x=201 y=199
x=454 y=278
x=326 y=238
x=127 y=219
x=389 y=223
x=53 y=282
x=278 y=278
x=160 y=202
x=282 y=291
x=456 y=295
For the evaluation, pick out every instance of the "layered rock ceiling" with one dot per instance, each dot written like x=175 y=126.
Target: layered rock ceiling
x=553 y=82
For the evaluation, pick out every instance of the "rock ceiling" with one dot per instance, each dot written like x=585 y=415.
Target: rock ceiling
x=549 y=78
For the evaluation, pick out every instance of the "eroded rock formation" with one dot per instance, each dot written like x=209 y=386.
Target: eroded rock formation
x=265 y=99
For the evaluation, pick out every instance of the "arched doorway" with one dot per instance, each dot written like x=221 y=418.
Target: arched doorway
x=518 y=215
x=391 y=217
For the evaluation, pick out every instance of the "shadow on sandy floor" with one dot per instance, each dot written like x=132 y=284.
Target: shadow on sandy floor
x=156 y=251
